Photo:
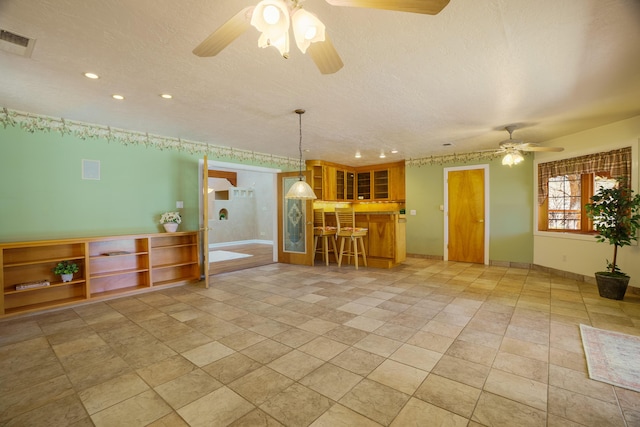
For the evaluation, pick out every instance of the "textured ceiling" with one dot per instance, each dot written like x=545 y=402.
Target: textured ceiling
x=410 y=82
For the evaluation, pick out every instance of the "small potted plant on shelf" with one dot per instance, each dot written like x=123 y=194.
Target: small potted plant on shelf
x=615 y=213
x=170 y=221
x=66 y=269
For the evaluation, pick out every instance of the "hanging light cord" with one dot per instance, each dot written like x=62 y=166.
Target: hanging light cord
x=300 y=113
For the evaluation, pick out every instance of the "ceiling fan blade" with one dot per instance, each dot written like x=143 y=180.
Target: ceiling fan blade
x=429 y=7
x=492 y=150
x=533 y=148
x=228 y=32
x=325 y=55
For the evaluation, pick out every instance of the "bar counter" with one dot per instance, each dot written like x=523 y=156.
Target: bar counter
x=386 y=240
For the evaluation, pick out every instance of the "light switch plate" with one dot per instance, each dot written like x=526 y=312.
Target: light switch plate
x=179 y=205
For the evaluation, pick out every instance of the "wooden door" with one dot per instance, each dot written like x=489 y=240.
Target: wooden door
x=205 y=221
x=295 y=223
x=466 y=215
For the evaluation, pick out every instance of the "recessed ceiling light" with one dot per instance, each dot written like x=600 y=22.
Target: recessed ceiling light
x=166 y=96
x=118 y=97
x=394 y=151
x=358 y=155
x=91 y=76
x=382 y=156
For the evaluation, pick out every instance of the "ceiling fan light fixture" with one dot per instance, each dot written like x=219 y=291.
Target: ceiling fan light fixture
x=271 y=18
x=307 y=29
x=281 y=43
x=300 y=190
x=513 y=157
x=517 y=157
x=271 y=14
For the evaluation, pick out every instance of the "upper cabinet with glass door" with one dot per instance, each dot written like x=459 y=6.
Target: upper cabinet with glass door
x=368 y=183
x=345 y=185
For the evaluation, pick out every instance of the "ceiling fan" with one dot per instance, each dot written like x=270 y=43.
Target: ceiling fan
x=274 y=17
x=513 y=147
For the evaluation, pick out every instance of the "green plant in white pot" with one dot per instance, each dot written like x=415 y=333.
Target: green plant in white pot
x=66 y=269
x=615 y=213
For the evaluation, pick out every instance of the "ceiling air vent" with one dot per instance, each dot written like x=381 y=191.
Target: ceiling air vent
x=15 y=43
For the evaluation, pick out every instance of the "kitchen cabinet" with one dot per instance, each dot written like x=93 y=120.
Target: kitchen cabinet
x=345 y=185
x=317 y=181
x=397 y=182
x=330 y=184
x=382 y=182
x=364 y=185
x=334 y=182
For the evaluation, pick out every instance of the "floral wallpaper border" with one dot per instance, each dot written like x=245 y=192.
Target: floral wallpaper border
x=472 y=157
x=39 y=123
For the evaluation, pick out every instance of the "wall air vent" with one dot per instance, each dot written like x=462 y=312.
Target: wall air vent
x=15 y=43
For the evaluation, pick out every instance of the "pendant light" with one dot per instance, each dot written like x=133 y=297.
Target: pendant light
x=300 y=190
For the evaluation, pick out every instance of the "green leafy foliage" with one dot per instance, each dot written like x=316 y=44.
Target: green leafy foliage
x=66 y=267
x=615 y=213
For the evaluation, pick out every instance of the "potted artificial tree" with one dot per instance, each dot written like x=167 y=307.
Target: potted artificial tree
x=615 y=213
x=66 y=269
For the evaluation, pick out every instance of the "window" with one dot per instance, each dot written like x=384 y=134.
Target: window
x=565 y=202
x=566 y=199
x=565 y=186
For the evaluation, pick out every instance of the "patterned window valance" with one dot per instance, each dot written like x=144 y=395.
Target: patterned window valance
x=616 y=162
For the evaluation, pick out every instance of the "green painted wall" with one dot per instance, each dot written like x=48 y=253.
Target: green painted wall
x=510 y=210
x=43 y=195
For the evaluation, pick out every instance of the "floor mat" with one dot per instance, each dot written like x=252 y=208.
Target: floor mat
x=612 y=357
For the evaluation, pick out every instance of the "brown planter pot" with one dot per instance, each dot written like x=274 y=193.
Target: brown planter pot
x=612 y=287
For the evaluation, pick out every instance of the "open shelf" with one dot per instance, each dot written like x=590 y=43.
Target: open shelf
x=117 y=292
x=52 y=285
x=42 y=261
x=159 y=267
x=44 y=297
x=43 y=305
x=116 y=255
x=174 y=282
x=184 y=245
x=118 y=273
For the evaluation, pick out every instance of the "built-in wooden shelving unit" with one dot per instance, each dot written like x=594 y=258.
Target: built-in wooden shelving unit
x=109 y=266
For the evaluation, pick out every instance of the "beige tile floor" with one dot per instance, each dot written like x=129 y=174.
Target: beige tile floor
x=428 y=343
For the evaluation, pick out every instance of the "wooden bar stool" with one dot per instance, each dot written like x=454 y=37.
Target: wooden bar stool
x=324 y=232
x=346 y=220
